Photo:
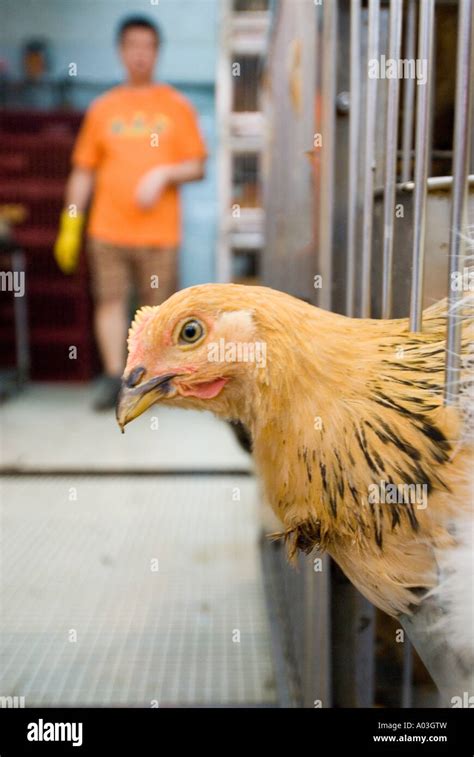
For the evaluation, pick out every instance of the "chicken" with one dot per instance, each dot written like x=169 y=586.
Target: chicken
x=357 y=453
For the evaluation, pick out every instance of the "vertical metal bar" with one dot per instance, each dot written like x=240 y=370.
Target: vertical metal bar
x=369 y=158
x=471 y=162
x=391 y=144
x=21 y=322
x=317 y=632
x=275 y=572
x=422 y=148
x=408 y=92
x=354 y=122
x=407 y=675
x=353 y=636
x=462 y=130
x=432 y=106
x=326 y=204
x=224 y=162
x=364 y=646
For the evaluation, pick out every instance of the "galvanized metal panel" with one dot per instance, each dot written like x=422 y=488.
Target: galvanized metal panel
x=287 y=261
x=354 y=230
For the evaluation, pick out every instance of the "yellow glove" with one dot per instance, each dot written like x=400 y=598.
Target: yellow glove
x=68 y=242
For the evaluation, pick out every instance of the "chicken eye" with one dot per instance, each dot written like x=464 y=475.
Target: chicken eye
x=191 y=332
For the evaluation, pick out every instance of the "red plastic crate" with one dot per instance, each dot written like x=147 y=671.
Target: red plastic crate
x=35 y=156
x=35 y=153
x=51 y=362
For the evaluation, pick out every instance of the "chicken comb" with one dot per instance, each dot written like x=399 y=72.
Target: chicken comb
x=142 y=316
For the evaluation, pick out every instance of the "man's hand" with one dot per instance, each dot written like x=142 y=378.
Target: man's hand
x=68 y=242
x=151 y=186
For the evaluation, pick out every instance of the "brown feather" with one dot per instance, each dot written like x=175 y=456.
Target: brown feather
x=342 y=404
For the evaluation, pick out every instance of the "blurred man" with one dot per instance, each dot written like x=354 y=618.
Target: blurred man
x=137 y=144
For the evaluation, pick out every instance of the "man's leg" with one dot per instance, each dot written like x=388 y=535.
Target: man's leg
x=109 y=278
x=111 y=326
x=156 y=274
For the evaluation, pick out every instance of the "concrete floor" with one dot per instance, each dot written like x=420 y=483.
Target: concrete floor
x=51 y=427
x=126 y=589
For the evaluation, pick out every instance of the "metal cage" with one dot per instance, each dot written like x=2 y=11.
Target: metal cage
x=368 y=197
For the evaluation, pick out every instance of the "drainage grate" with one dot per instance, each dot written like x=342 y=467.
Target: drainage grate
x=155 y=578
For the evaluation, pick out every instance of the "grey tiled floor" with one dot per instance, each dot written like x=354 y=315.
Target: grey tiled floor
x=87 y=620
x=52 y=427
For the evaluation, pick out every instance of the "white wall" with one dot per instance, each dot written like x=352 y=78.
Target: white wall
x=82 y=32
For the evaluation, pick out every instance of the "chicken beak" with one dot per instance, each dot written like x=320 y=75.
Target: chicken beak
x=134 y=400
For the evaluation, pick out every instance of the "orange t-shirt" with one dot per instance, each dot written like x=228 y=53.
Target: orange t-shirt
x=126 y=132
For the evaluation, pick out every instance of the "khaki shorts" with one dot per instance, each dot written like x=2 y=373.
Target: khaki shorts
x=152 y=272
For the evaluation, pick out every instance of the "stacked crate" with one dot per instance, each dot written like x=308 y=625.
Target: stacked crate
x=35 y=153
x=244 y=28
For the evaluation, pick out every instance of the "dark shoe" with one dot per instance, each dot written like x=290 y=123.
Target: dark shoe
x=107 y=393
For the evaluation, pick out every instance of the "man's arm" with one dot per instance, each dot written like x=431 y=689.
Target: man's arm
x=190 y=170
x=154 y=182
x=79 y=189
x=76 y=199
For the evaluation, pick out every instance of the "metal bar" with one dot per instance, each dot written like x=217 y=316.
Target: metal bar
x=354 y=128
x=369 y=158
x=407 y=675
x=471 y=165
x=433 y=90
x=273 y=568
x=21 y=322
x=317 y=689
x=433 y=184
x=408 y=93
x=364 y=648
x=224 y=162
x=353 y=634
x=391 y=144
x=462 y=130
x=326 y=202
x=425 y=56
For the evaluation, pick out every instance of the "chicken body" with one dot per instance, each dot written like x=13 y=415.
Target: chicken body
x=357 y=453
